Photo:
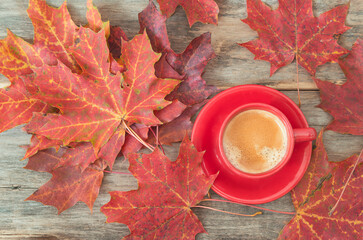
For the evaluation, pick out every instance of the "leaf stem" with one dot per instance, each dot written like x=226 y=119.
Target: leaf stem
x=297 y=81
x=138 y=138
x=117 y=172
x=232 y=213
x=248 y=205
x=346 y=184
x=157 y=139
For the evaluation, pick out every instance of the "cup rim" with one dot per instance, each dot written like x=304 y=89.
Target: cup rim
x=289 y=132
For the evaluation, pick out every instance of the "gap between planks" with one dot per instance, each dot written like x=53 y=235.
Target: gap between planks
x=17 y=187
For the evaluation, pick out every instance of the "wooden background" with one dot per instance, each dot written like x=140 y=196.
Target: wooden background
x=233 y=66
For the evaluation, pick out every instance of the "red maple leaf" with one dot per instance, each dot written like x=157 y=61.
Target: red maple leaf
x=54 y=30
x=291 y=31
x=70 y=183
x=94 y=19
x=161 y=206
x=318 y=191
x=108 y=152
x=38 y=143
x=17 y=105
x=205 y=11
x=77 y=171
x=19 y=57
x=345 y=102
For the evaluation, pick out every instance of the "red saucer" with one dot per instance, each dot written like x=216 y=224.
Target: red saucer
x=205 y=138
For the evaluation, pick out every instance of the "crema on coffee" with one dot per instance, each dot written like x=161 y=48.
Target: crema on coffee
x=255 y=141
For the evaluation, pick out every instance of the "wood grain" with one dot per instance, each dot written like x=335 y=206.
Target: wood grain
x=233 y=66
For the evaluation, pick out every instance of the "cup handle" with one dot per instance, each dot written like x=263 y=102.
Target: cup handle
x=304 y=134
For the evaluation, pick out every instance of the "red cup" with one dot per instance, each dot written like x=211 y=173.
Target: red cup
x=293 y=136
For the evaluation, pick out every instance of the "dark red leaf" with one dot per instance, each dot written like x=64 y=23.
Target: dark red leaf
x=154 y=23
x=175 y=130
x=345 y=102
x=170 y=112
x=191 y=64
x=164 y=70
x=80 y=154
x=114 y=41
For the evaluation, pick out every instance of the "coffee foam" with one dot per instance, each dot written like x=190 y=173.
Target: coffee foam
x=237 y=149
x=233 y=153
x=272 y=156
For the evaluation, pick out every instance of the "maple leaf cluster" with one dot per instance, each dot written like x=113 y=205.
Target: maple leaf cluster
x=84 y=92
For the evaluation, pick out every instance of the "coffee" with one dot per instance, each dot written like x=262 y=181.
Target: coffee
x=255 y=141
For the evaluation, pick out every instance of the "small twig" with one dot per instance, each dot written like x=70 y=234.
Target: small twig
x=346 y=184
x=117 y=172
x=138 y=138
x=261 y=208
x=123 y=160
x=232 y=213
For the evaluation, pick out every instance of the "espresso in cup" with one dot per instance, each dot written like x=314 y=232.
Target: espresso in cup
x=255 y=141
